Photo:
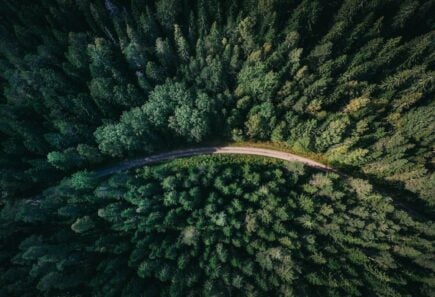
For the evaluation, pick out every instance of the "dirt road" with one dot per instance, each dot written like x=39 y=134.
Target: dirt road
x=124 y=165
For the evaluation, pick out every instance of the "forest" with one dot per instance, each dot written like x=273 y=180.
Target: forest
x=219 y=226
x=85 y=83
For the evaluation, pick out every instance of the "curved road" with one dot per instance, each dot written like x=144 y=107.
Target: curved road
x=240 y=150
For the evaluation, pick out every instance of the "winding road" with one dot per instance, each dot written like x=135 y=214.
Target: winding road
x=239 y=150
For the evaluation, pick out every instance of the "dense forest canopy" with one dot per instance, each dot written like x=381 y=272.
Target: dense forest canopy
x=86 y=80
x=220 y=226
x=84 y=83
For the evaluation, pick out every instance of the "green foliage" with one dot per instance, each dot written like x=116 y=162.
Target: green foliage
x=256 y=81
x=222 y=222
x=261 y=121
x=82 y=225
x=139 y=76
x=185 y=111
x=83 y=82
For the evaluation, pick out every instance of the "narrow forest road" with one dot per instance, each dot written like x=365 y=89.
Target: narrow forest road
x=239 y=150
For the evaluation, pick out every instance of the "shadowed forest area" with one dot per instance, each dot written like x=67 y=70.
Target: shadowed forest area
x=85 y=83
x=218 y=226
